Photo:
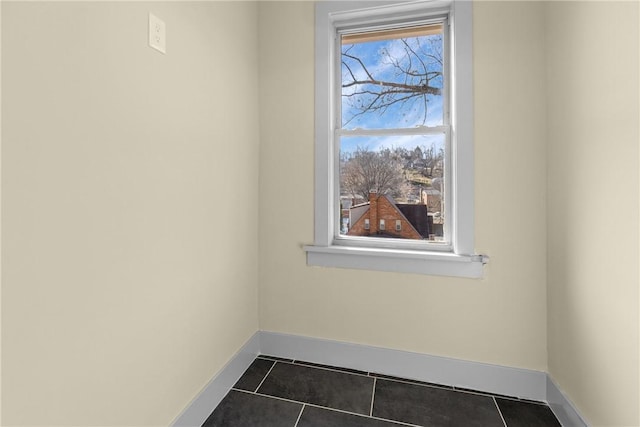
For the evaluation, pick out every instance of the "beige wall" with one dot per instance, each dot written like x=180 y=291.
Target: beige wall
x=593 y=207
x=129 y=218
x=501 y=319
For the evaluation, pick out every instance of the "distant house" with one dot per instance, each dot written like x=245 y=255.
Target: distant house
x=432 y=198
x=346 y=202
x=381 y=216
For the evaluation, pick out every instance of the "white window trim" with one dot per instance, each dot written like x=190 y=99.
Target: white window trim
x=461 y=261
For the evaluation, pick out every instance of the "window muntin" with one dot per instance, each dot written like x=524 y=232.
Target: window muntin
x=393 y=136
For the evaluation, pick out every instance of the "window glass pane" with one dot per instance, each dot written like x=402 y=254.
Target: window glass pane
x=402 y=177
x=392 y=78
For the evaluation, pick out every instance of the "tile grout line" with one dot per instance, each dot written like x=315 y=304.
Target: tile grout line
x=373 y=396
x=265 y=377
x=497 y=395
x=284 y=399
x=313 y=405
x=255 y=393
x=330 y=368
x=422 y=384
x=300 y=415
x=499 y=411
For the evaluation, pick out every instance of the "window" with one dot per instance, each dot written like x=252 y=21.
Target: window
x=393 y=129
x=394 y=135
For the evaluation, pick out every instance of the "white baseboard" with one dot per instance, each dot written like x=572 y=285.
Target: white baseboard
x=204 y=403
x=522 y=383
x=562 y=407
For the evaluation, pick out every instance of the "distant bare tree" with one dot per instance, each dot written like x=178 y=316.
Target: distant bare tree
x=433 y=159
x=365 y=170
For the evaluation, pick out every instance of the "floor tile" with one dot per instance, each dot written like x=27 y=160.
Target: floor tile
x=432 y=406
x=335 y=368
x=523 y=414
x=254 y=375
x=318 y=417
x=321 y=387
x=239 y=409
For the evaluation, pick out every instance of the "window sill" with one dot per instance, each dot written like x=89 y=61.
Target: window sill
x=397 y=260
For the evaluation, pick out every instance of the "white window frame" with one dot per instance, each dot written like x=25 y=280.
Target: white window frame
x=459 y=259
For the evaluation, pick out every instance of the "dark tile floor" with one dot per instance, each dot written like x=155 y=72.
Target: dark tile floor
x=276 y=392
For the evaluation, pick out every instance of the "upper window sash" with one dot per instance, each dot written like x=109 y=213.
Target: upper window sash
x=420 y=26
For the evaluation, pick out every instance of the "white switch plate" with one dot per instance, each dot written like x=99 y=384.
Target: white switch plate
x=157 y=33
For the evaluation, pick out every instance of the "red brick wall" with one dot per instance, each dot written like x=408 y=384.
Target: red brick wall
x=387 y=211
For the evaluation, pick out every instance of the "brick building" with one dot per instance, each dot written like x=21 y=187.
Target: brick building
x=381 y=216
